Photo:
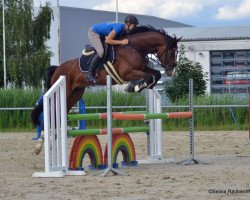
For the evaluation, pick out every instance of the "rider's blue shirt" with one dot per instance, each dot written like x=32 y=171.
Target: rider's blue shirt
x=103 y=29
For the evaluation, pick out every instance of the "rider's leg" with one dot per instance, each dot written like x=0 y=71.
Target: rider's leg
x=93 y=65
x=97 y=43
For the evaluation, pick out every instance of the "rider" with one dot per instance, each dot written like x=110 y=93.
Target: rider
x=111 y=31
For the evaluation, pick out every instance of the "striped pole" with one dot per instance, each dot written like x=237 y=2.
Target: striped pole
x=109 y=131
x=79 y=132
x=191 y=158
x=126 y=116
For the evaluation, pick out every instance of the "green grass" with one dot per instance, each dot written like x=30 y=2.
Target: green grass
x=17 y=120
x=205 y=118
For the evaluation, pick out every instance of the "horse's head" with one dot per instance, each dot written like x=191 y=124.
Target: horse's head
x=149 y=40
x=167 y=54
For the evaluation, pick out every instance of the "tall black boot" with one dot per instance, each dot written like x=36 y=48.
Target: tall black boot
x=93 y=65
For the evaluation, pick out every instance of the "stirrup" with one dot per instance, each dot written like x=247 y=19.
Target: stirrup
x=90 y=77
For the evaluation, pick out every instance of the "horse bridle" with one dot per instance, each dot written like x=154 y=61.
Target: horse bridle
x=165 y=66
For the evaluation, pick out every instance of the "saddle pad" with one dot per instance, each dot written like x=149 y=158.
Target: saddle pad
x=84 y=62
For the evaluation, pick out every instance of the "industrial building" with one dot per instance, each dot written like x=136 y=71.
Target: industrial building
x=223 y=52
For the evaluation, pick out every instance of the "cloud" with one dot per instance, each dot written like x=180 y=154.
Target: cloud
x=173 y=8
x=129 y=6
x=161 y=8
x=231 y=12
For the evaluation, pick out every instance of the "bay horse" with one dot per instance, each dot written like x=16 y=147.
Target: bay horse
x=131 y=64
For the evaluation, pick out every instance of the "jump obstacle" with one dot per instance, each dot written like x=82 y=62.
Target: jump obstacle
x=81 y=109
x=87 y=142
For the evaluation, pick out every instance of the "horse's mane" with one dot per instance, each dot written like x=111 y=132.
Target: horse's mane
x=148 y=28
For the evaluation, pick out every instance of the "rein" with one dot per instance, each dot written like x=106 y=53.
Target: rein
x=156 y=61
x=135 y=48
x=146 y=57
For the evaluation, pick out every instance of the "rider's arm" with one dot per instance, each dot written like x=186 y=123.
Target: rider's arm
x=110 y=39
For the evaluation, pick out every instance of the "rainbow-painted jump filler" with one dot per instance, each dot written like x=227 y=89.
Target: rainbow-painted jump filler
x=86 y=141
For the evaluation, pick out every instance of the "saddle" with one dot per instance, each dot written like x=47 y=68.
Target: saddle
x=88 y=54
x=106 y=62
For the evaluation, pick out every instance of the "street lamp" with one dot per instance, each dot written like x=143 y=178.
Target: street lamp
x=4 y=51
x=116 y=12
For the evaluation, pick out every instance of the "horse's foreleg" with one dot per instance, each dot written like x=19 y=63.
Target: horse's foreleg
x=138 y=81
x=156 y=76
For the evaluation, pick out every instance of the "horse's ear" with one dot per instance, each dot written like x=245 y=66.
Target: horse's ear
x=179 y=39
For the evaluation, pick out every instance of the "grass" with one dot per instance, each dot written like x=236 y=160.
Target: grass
x=205 y=118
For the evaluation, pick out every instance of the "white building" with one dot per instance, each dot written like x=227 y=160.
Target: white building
x=223 y=52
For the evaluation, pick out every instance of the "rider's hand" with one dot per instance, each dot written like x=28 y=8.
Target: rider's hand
x=124 y=41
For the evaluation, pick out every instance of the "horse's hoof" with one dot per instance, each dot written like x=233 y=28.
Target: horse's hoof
x=140 y=87
x=38 y=146
x=129 y=88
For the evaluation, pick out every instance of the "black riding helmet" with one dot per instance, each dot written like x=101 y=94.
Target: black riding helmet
x=131 y=19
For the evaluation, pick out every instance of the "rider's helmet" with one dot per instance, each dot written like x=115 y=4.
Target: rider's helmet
x=131 y=19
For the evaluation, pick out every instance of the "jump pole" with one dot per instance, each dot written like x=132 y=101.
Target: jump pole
x=248 y=143
x=249 y=117
x=191 y=158
x=109 y=130
x=130 y=116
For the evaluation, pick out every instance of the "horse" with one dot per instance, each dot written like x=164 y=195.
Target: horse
x=131 y=65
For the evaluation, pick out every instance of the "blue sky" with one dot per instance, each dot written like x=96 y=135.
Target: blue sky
x=194 y=12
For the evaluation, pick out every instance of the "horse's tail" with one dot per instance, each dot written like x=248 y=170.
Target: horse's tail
x=50 y=73
x=38 y=109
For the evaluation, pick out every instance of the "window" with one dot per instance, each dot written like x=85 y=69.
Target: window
x=230 y=71
x=228 y=55
x=240 y=54
x=240 y=63
x=216 y=55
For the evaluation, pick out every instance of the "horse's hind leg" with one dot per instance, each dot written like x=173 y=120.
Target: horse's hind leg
x=74 y=97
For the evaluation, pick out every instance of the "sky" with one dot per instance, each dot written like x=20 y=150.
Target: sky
x=201 y=13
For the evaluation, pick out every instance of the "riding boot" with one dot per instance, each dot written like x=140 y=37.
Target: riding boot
x=93 y=65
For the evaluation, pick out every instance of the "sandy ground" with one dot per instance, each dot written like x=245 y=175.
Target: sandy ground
x=228 y=169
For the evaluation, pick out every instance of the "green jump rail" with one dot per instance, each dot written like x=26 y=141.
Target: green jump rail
x=74 y=133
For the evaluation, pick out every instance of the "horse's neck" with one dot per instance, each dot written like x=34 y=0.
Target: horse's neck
x=148 y=42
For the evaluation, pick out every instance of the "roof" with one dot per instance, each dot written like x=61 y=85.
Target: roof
x=97 y=16
x=211 y=33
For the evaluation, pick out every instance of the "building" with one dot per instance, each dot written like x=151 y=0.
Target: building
x=223 y=52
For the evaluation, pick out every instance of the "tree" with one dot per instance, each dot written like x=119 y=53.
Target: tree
x=27 y=56
x=185 y=70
